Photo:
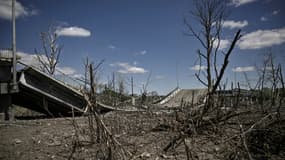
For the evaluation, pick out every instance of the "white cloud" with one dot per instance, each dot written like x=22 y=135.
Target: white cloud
x=73 y=32
x=263 y=19
x=79 y=76
x=32 y=60
x=262 y=38
x=65 y=70
x=143 y=52
x=20 y=10
x=126 y=68
x=244 y=69
x=234 y=24
x=198 y=67
x=112 y=47
x=224 y=43
x=159 y=77
x=29 y=59
x=238 y=3
x=275 y=12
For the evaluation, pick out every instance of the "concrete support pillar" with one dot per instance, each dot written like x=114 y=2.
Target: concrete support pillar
x=133 y=101
x=5 y=105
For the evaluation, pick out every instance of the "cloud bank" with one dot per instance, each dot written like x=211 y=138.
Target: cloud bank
x=143 y=52
x=198 y=67
x=73 y=32
x=20 y=10
x=32 y=60
x=112 y=47
x=224 y=43
x=262 y=38
x=234 y=24
x=257 y=39
x=126 y=68
x=244 y=69
x=263 y=18
x=238 y=3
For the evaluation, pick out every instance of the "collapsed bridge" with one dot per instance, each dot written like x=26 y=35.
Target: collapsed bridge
x=39 y=92
x=45 y=94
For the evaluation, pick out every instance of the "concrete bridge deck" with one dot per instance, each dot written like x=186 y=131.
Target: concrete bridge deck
x=42 y=93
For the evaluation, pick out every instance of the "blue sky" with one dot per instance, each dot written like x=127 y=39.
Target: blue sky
x=139 y=37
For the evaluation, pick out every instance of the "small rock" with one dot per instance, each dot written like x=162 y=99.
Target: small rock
x=166 y=157
x=217 y=149
x=17 y=141
x=54 y=143
x=145 y=155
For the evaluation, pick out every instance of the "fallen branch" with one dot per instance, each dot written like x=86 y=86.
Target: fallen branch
x=252 y=126
x=106 y=130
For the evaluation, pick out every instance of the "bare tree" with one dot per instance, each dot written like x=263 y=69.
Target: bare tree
x=121 y=87
x=210 y=15
x=274 y=79
x=97 y=129
x=282 y=94
x=50 y=53
x=270 y=82
x=144 y=90
x=86 y=64
x=90 y=96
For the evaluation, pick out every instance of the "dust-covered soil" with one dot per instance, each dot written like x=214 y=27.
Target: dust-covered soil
x=54 y=138
x=144 y=135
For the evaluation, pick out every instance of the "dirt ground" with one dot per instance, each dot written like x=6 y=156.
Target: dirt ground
x=53 y=138
x=143 y=134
